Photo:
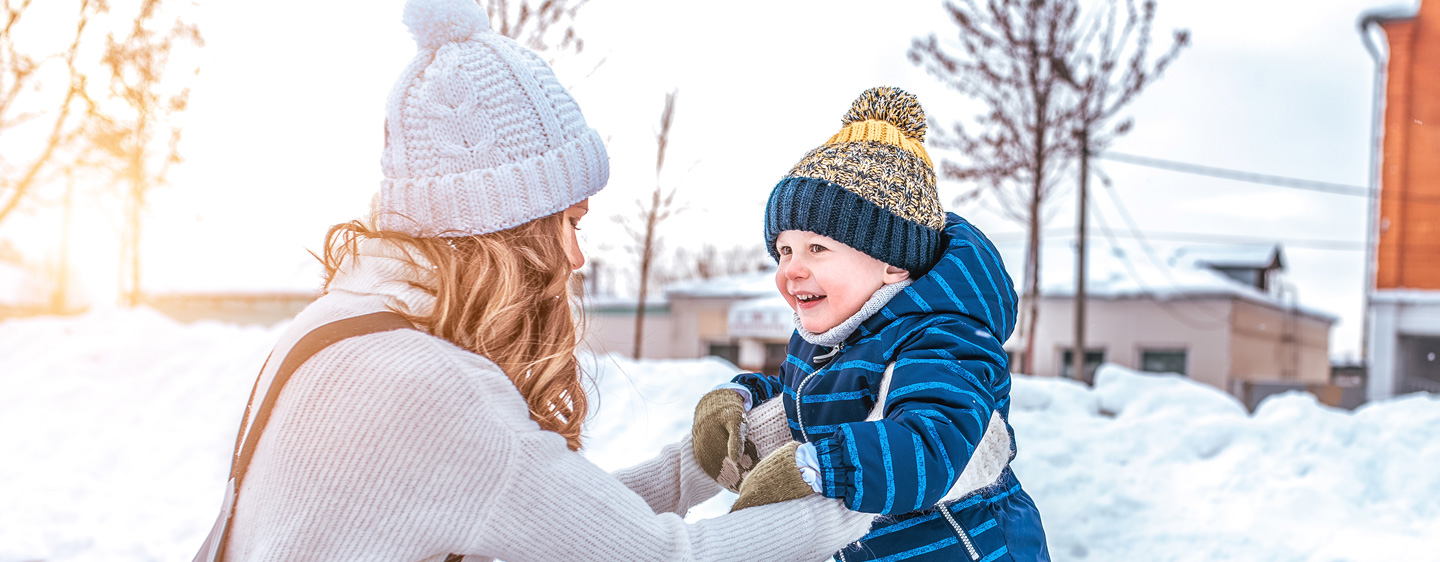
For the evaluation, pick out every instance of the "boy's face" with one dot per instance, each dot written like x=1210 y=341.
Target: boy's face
x=825 y=281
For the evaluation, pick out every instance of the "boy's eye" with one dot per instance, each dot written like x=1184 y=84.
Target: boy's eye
x=784 y=250
x=816 y=248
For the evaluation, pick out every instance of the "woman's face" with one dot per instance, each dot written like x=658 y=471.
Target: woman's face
x=572 y=224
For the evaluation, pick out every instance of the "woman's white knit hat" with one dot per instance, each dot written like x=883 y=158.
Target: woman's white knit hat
x=479 y=135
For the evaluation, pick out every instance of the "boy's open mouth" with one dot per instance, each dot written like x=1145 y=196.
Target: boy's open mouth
x=808 y=300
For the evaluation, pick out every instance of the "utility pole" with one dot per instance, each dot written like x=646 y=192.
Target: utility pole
x=1077 y=354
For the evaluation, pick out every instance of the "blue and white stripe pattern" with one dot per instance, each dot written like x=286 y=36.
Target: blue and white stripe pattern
x=944 y=335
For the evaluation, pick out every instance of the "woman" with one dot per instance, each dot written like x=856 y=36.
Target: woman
x=460 y=437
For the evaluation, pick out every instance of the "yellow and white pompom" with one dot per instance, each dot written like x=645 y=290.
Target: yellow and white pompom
x=891 y=105
x=436 y=22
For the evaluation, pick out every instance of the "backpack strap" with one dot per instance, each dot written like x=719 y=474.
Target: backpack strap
x=318 y=339
x=245 y=442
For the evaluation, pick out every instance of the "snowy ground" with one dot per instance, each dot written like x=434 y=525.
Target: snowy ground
x=115 y=430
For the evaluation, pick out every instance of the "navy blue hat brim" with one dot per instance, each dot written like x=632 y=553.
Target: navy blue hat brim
x=828 y=209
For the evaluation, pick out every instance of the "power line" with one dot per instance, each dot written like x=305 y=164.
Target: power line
x=1204 y=238
x=1279 y=181
x=1203 y=324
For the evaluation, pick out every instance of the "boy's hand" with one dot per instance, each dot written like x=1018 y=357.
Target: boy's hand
x=775 y=479
x=719 y=438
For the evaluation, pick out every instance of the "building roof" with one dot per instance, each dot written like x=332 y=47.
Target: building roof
x=746 y=285
x=1251 y=256
x=1126 y=271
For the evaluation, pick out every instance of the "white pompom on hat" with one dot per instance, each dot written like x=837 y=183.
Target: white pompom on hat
x=438 y=22
x=479 y=134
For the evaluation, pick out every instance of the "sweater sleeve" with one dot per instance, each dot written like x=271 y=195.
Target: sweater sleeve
x=769 y=428
x=397 y=446
x=941 y=396
x=558 y=506
x=672 y=482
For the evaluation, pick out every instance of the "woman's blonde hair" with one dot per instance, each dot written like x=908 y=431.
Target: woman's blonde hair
x=504 y=295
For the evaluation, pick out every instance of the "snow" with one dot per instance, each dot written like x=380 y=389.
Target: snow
x=117 y=427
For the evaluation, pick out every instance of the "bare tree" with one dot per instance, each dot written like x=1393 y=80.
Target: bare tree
x=538 y=24
x=648 y=218
x=1021 y=142
x=1020 y=60
x=27 y=106
x=1107 y=70
x=133 y=127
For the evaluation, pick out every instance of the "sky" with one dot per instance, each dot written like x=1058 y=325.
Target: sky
x=283 y=134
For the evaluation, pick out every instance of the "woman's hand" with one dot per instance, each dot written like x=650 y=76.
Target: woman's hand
x=719 y=436
x=775 y=479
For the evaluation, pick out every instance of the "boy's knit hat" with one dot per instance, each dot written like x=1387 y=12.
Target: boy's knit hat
x=870 y=187
x=479 y=135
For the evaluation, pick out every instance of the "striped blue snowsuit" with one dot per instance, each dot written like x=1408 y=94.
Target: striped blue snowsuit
x=944 y=334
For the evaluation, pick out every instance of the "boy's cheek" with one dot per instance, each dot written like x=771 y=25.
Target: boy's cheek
x=780 y=287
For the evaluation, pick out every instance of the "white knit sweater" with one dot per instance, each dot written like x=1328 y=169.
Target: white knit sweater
x=400 y=446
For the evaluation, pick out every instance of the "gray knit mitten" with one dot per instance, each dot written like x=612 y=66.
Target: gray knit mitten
x=775 y=479
x=719 y=437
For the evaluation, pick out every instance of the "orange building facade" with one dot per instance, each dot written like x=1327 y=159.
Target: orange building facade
x=1403 y=340
x=1409 y=222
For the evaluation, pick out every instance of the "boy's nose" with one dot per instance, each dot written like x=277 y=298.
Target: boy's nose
x=796 y=268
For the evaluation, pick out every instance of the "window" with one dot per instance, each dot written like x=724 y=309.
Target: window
x=1163 y=361
x=727 y=351
x=1093 y=359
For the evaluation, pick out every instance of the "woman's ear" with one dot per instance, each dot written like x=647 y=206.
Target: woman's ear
x=895 y=275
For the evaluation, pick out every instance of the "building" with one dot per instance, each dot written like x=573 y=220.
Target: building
x=1403 y=339
x=1222 y=316
x=691 y=319
x=237 y=307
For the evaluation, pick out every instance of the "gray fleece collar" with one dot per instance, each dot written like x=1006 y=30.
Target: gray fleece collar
x=842 y=331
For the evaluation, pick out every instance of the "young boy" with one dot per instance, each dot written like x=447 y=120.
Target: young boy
x=896 y=388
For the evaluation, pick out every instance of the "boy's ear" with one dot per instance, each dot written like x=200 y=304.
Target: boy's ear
x=895 y=275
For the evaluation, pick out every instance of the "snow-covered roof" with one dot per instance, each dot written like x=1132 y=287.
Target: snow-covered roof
x=1406 y=296
x=1126 y=271
x=746 y=285
x=1253 y=256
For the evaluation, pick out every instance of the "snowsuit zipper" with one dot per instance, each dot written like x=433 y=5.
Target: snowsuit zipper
x=800 y=390
x=964 y=537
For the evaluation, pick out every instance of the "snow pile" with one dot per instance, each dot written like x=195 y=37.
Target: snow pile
x=115 y=432
x=1157 y=467
x=116 y=429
